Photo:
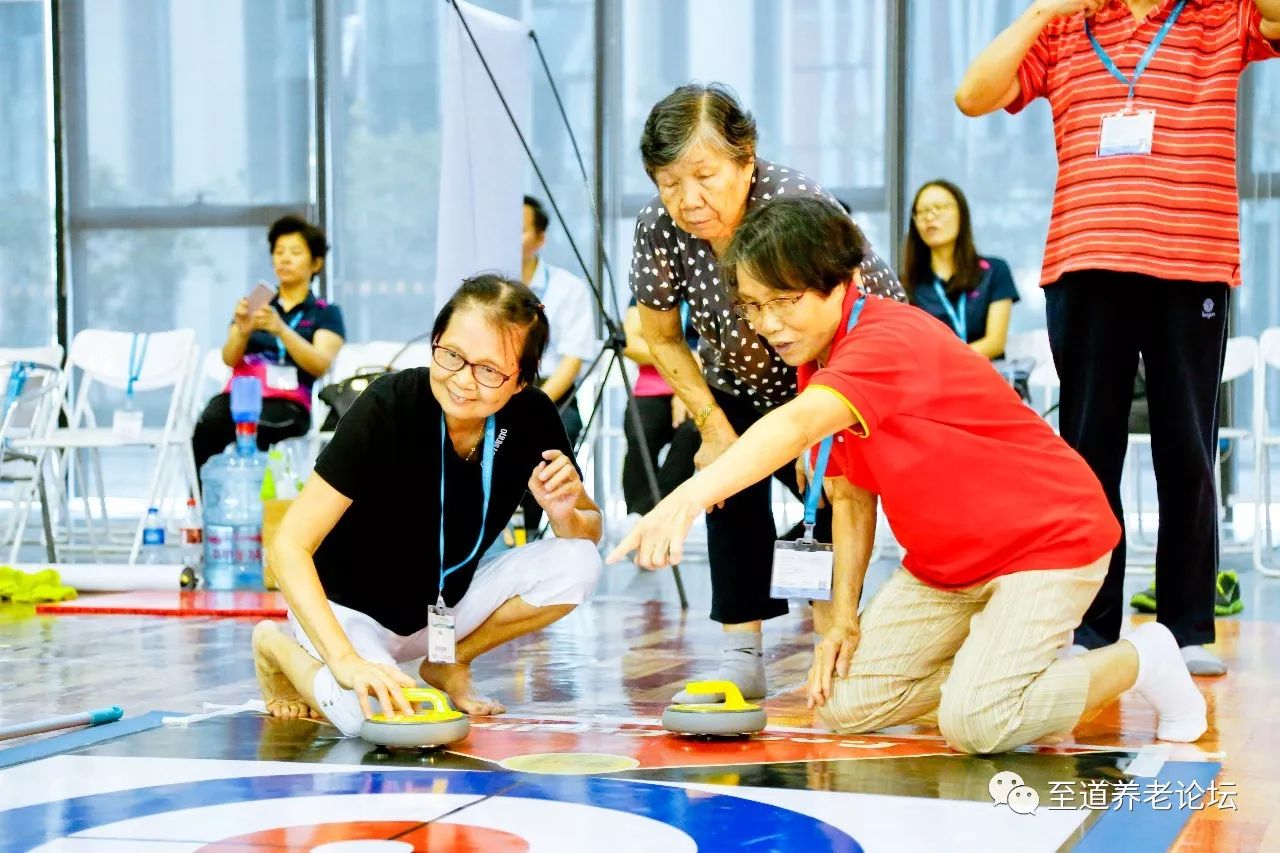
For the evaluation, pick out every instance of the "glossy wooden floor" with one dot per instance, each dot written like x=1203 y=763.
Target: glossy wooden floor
x=615 y=658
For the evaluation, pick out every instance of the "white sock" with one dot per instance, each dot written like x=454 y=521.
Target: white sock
x=742 y=662
x=1164 y=681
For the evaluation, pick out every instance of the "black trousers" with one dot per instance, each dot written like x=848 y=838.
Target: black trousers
x=1099 y=322
x=655 y=426
x=281 y=419
x=740 y=536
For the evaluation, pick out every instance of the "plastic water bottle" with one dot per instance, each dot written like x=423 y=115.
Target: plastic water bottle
x=233 y=498
x=153 y=548
x=191 y=538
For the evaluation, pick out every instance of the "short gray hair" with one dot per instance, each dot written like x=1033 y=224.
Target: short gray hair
x=696 y=112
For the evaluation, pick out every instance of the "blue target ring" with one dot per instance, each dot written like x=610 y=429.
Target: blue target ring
x=712 y=821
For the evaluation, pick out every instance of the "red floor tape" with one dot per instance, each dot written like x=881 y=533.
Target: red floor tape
x=263 y=605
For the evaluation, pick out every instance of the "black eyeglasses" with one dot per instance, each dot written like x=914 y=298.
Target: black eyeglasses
x=453 y=362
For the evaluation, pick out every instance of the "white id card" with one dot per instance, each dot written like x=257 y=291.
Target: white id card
x=282 y=377
x=442 y=640
x=1127 y=132
x=127 y=424
x=802 y=569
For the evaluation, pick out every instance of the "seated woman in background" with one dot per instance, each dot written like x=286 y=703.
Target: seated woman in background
x=372 y=541
x=944 y=274
x=287 y=344
x=664 y=421
x=973 y=624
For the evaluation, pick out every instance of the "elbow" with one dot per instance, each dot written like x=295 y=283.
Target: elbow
x=967 y=102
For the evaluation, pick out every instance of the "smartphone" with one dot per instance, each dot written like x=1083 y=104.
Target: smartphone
x=260 y=297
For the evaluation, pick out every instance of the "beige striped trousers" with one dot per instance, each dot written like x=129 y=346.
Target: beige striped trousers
x=984 y=658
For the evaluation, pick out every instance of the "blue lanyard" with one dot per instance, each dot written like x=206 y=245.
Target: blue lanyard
x=1146 y=57
x=486 y=480
x=957 y=314
x=814 y=489
x=293 y=324
x=137 y=356
x=17 y=381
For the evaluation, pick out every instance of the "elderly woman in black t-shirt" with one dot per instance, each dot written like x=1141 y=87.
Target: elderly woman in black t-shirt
x=699 y=148
x=420 y=478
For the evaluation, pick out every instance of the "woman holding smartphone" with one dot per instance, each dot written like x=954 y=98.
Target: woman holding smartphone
x=287 y=340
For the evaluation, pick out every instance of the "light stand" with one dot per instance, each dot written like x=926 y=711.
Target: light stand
x=615 y=339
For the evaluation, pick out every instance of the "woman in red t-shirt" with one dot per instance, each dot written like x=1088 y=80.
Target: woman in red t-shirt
x=1006 y=530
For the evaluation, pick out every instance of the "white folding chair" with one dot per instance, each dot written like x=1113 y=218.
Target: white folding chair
x=168 y=363
x=1239 y=362
x=1263 y=441
x=30 y=399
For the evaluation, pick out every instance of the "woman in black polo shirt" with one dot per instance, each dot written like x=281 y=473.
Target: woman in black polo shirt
x=366 y=548
x=944 y=274
x=287 y=344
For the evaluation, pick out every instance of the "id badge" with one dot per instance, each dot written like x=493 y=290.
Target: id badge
x=282 y=377
x=1127 y=132
x=442 y=640
x=127 y=424
x=802 y=569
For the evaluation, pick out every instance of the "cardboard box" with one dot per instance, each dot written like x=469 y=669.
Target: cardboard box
x=272 y=514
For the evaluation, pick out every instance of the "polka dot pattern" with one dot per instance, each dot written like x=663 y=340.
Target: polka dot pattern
x=669 y=266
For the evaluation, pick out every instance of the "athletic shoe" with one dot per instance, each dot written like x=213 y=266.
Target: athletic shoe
x=1228 y=602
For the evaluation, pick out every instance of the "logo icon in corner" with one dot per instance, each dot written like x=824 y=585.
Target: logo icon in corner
x=1008 y=789
x=1208 y=311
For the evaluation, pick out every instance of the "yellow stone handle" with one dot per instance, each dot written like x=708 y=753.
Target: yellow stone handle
x=733 y=700
x=428 y=695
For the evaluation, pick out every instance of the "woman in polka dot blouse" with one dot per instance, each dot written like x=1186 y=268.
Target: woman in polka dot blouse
x=699 y=148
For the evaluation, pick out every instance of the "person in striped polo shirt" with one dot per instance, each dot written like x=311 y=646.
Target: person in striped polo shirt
x=1142 y=252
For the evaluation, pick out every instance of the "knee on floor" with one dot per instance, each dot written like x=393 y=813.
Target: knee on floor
x=968 y=725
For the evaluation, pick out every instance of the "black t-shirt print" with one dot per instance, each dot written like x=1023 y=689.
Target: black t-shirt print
x=670 y=266
x=383 y=556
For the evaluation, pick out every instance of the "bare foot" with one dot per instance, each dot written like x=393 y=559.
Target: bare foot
x=281 y=697
x=455 y=680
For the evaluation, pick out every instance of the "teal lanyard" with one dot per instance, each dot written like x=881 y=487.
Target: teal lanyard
x=486 y=481
x=137 y=356
x=293 y=324
x=814 y=490
x=1110 y=64
x=957 y=314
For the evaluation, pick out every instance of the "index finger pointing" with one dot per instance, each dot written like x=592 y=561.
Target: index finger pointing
x=625 y=547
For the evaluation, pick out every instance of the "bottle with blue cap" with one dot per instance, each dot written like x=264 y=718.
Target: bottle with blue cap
x=233 y=498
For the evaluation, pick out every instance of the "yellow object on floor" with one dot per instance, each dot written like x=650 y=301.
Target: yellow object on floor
x=33 y=587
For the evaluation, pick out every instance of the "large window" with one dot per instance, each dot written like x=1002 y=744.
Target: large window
x=383 y=85
x=815 y=73
x=189 y=130
x=1005 y=164
x=26 y=202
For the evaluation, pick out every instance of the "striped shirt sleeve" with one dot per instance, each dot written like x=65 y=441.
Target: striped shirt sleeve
x=1033 y=73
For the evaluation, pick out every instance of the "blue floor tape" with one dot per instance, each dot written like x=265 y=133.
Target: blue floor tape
x=89 y=736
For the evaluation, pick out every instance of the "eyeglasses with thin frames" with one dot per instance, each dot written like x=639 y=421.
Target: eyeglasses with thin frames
x=933 y=211
x=780 y=307
x=453 y=362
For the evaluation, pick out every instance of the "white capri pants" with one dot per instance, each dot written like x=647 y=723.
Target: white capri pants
x=552 y=571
